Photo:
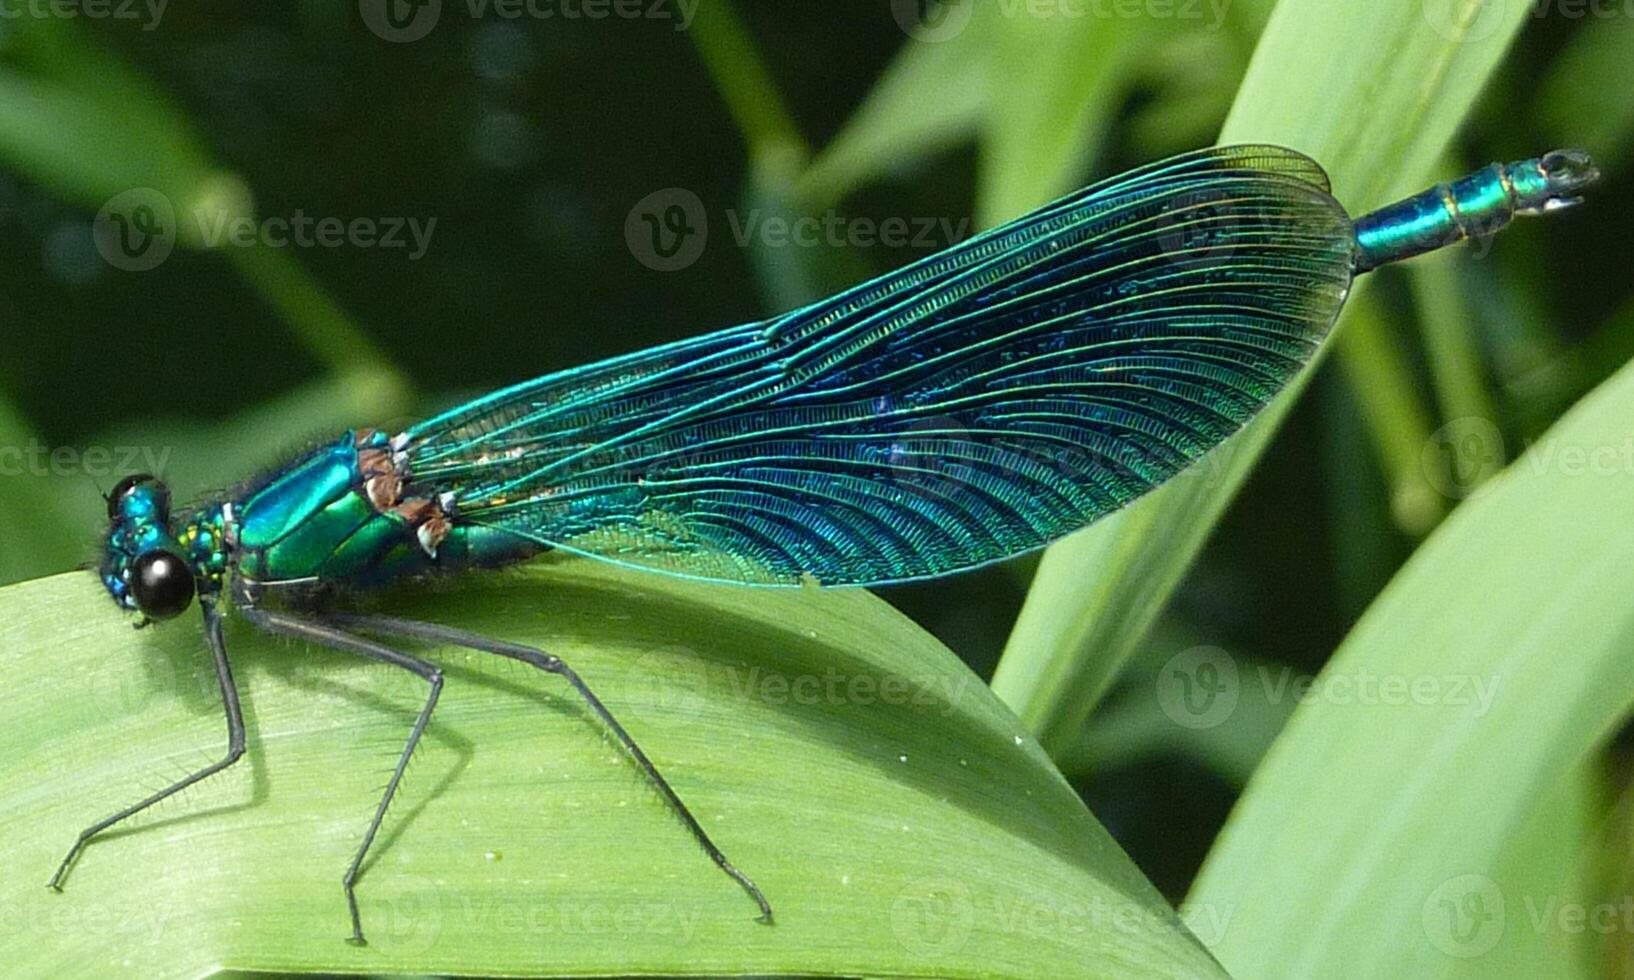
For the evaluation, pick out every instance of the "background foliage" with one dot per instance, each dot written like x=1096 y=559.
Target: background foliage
x=530 y=141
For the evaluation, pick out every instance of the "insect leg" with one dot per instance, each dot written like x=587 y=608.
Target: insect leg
x=235 y=747
x=552 y=664
x=303 y=628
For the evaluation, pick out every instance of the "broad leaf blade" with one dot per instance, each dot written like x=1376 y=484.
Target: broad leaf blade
x=1377 y=838
x=894 y=812
x=932 y=96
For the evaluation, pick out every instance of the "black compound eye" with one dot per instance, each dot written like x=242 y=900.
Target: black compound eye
x=124 y=486
x=161 y=583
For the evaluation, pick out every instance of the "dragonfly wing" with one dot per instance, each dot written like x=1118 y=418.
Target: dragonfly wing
x=971 y=406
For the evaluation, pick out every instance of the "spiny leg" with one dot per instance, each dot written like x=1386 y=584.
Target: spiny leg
x=336 y=639
x=552 y=664
x=235 y=747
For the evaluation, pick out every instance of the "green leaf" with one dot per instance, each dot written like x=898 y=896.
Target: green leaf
x=1583 y=100
x=1559 y=860
x=76 y=118
x=1446 y=323
x=1062 y=78
x=1379 y=836
x=1143 y=726
x=790 y=274
x=933 y=96
x=82 y=122
x=1378 y=115
x=28 y=480
x=896 y=815
x=1397 y=421
x=742 y=78
x=1546 y=389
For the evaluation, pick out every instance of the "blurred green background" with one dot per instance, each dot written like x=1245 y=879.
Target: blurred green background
x=530 y=141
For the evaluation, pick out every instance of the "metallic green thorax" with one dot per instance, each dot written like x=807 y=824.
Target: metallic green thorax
x=340 y=515
x=1474 y=206
x=296 y=526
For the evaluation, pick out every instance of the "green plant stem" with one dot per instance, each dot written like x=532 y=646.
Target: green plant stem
x=322 y=326
x=741 y=77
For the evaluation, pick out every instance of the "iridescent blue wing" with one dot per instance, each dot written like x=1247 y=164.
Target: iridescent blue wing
x=971 y=406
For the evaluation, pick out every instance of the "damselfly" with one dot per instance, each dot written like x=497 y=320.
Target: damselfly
x=969 y=407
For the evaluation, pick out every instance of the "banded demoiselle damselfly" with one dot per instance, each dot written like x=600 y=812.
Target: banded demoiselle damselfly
x=967 y=408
